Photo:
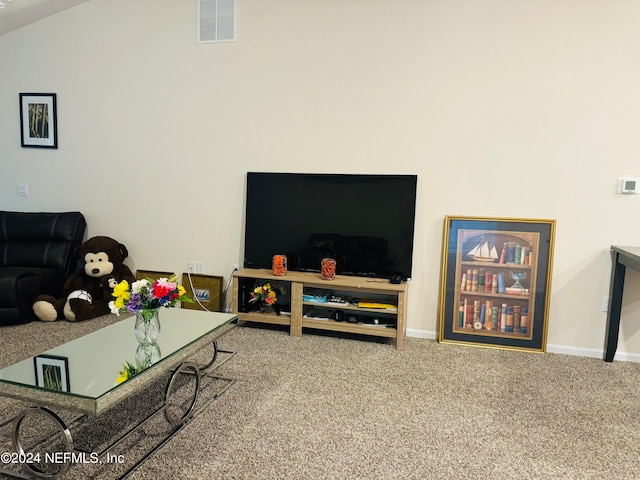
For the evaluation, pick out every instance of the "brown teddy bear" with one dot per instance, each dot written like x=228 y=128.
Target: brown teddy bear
x=87 y=291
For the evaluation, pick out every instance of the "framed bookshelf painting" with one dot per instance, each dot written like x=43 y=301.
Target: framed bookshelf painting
x=495 y=282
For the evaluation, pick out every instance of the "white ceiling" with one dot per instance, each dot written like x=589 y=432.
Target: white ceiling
x=19 y=13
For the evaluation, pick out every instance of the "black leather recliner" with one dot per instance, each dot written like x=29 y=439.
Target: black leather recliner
x=38 y=252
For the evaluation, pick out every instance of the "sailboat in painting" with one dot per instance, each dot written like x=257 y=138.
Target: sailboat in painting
x=483 y=252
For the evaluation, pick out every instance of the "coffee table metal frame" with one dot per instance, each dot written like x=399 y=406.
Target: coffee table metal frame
x=43 y=401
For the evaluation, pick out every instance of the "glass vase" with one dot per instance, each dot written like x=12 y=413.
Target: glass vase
x=147 y=355
x=147 y=327
x=266 y=308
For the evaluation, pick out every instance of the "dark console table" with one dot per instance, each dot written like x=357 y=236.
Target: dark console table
x=621 y=257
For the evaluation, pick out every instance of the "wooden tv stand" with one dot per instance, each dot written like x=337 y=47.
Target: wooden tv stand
x=359 y=287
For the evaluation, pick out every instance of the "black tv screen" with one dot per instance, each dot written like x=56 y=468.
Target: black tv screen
x=364 y=222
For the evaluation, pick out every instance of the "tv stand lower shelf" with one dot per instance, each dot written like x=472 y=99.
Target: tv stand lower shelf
x=393 y=320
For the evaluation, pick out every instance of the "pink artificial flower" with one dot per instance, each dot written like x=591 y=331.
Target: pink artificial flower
x=163 y=287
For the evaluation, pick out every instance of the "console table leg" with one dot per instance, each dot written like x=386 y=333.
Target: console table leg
x=615 y=307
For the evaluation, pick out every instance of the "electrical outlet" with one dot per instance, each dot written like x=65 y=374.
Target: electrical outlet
x=236 y=267
x=191 y=267
x=199 y=267
x=605 y=304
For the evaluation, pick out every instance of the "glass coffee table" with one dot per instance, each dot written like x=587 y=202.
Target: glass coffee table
x=81 y=376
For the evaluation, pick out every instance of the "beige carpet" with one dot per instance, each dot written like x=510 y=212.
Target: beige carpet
x=321 y=407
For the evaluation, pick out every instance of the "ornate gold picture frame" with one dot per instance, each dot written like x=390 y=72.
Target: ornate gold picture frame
x=495 y=282
x=152 y=274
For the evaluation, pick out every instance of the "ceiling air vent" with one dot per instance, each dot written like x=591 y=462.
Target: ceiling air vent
x=216 y=21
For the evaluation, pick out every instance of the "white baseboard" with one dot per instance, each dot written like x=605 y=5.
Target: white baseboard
x=414 y=332
x=577 y=351
x=592 y=352
x=551 y=348
x=626 y=357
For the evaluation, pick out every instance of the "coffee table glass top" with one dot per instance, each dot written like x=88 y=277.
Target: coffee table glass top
x=95 y=360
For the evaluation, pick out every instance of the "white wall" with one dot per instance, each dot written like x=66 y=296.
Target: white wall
x=502 y=108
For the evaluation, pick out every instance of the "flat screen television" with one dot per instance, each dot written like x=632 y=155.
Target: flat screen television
x=364 y=222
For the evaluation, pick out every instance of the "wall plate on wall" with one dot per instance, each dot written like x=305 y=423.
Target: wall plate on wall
x=216 y=21
x=628 y=185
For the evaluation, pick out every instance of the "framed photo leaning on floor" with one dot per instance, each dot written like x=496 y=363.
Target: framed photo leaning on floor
x=495 y=282
x=205 y=290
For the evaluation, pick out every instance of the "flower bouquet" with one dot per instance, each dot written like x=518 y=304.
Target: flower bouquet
x=146 y=295
x=127 y=372
x=144 y=299
x=265 y=297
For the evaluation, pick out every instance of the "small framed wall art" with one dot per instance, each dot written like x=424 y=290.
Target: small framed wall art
x=495 y=282
x=52 y=372
x=38 y=120
x=205 y=290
